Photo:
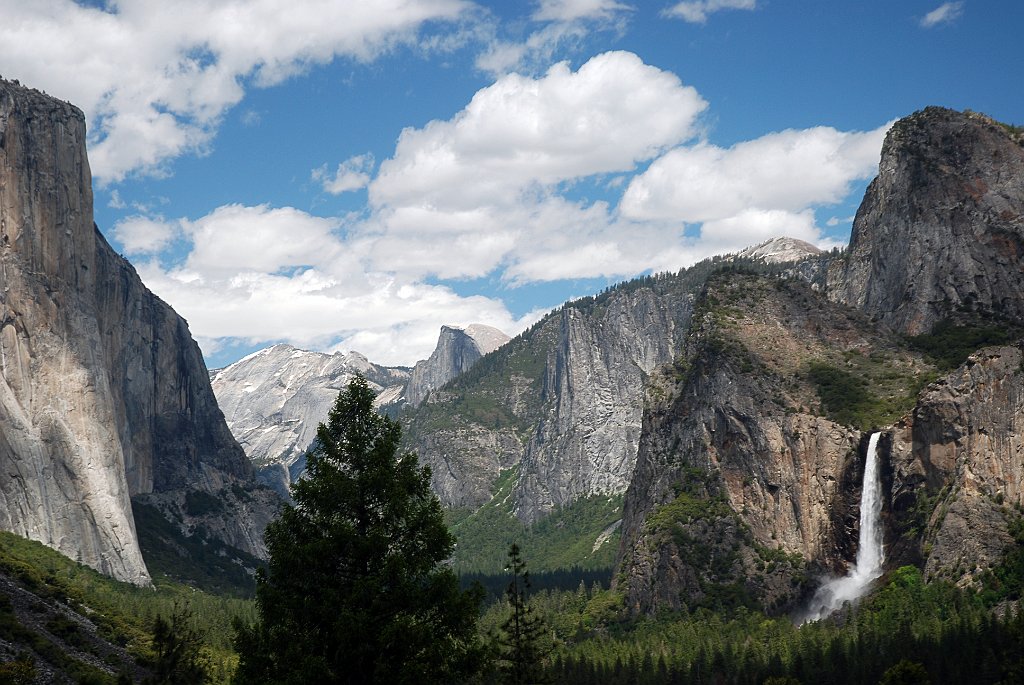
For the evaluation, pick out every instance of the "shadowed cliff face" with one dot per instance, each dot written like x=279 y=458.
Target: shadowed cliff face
x=744 y=486
x=104 y=394
x=561 y=403
x=941 y=229
x=958 y=467
x=754 y=440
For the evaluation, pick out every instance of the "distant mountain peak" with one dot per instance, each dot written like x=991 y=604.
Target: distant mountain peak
x=457 y=350
x=780 y=250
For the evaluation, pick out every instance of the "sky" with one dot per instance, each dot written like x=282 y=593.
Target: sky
x=351 y=175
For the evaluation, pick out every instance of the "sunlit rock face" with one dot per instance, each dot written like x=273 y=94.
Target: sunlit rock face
x=104 y=393
x=63 y=479
x=274 y=400
x=560 y=403
x=940 y=232
x=456 y=352
x=958 y=467
x=780 y=250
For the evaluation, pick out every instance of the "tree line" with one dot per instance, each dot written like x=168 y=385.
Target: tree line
x=359 y=589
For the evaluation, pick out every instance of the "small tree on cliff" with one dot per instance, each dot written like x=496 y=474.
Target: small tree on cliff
x=355 y=591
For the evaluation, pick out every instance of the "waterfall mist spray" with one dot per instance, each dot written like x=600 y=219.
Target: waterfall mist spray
x=870 y=552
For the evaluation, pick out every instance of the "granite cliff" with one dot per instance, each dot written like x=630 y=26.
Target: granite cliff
x=456 y=352
x=274 y=400
x=957 y=476
x=747 y=482
x=104 y=395
x=748 y=476
x=940 y=232
x=560 y=404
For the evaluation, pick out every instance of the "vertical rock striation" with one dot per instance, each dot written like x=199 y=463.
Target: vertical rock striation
x=63 y=467
x=456 y=352
x=104 y=395
x=560 y=403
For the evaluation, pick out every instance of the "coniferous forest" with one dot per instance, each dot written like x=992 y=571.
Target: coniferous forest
x=384 y=525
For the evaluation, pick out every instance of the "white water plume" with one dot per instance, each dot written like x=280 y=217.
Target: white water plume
x=870 y=554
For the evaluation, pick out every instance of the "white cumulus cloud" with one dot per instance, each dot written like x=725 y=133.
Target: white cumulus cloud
x=240 y=239
x=789 y=171
x=140 y=235
x=156 y=78
x=262 y=274
x=611 y=113
x=352 y=174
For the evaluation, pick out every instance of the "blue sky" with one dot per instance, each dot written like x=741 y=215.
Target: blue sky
x=353 y=175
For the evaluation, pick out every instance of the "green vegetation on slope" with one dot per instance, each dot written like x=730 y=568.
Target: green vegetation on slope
x=564 y=539
x=124 y=614
x=949 y=344
x=947 y=631
x=868 y=391
x=812 y=350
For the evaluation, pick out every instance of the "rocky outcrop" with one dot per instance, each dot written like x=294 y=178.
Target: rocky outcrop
x=753 y=443
x=561 y=403
x=456 y=352
x=104 y=393
x=958 y=468
x=274 y=400
x=940 y=232
x=744 y=484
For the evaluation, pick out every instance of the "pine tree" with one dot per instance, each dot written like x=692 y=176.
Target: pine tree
x=356 y=590
x=176 y=647
x=524 y=652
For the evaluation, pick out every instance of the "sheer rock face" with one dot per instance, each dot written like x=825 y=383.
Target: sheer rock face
x=560 y=403
x=274 y=400
x=958 y=466
x=586 y=441
x=104 y=394
x=939 y=234
x=63 y=472
x=941 y=229
x=456 y=352
x=736 y=460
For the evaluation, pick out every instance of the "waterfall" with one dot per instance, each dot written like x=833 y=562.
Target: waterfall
x=870 y=554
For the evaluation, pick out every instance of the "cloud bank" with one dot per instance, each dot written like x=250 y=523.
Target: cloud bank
x=599 y=171
x=156 y=78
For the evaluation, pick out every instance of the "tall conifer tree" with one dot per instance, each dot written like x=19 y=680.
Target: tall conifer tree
x=356 y=590
x=523 y=644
